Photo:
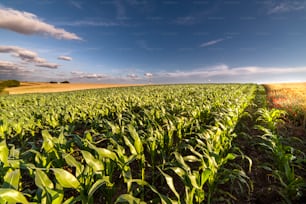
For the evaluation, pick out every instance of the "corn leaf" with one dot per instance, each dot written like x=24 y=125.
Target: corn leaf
x=66 y=179
x=104 y=153
x=11 y=179
x=94 y=163
x=42 y=180
x=97 y=185
x=137 y=141
x=70 y=160
x=128 y=198
x=55 y=196
x=4 y=152
x=130 y=145
x=48 y=141
x=170 y=183
x=12 y=196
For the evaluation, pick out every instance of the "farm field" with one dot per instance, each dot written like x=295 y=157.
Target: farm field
x=43 y=87
x=209 y=143
x=290 y=97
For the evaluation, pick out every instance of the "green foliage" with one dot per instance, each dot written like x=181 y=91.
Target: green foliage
x=284 y=157
x=9 y=83
x=153 y=144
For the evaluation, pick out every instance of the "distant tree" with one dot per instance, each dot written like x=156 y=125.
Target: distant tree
x=53 y=82
x=10 y=83
x=65 y=82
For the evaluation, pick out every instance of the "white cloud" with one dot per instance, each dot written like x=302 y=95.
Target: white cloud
x=94 y=76
x=77 y=73
x=48 y=65
x=148 y=75
x=66 y=58
x=29 y=24
x=10 y=70
x=212 y=42
x=286 y=6
x=97 y=22
x=76 y=4
x=224 y=73
x=27 y=56
x=132 y=76
x=24 y=54
x=5 y=65
x=83 y=75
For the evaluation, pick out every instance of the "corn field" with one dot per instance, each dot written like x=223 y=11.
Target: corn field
x=152 y=144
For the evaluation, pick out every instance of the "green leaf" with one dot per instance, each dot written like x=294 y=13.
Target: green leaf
x=129 y=144
x=137 y=141
x=48 y=141
x=193 y=181
x=14 y=153
x=65 y=179
x=180 y=160
x=56 y=196
x=127 y=198
x=11 y=179
x=12 y=196
x=170 y=183
x=69 y=200
x=104 y=153
x=70 y=160
x=94 y=163
x=4 y=152
x=164 y=199
x=191 y=158
x=42 y=180
x=62 y=139
x=230 y=156
x=205 y=175
x=97 y=185
x=179 y=171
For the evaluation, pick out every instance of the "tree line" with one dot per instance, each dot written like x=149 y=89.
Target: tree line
x=8 y=83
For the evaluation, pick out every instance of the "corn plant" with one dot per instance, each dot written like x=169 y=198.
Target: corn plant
x=292 y=185
x=155 y=144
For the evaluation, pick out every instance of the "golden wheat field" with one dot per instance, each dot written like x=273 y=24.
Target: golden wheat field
x=43 y=87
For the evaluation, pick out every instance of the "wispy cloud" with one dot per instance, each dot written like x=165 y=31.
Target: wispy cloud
x=186 y=20
x=29 y=24
x=212 y=42
x=8 y=66
x=76 y=4
x=224 y=72
x=92 y=23
x=286 y=6
x=208 y=8
x=48 y=65
x=10 y=70
x=148 y=75
x=66 y=58
x=28 y=56
x=144 y=45
x=84 y=75
x=132 y=76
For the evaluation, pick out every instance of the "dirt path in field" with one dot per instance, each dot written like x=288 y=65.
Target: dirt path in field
x=37 y=87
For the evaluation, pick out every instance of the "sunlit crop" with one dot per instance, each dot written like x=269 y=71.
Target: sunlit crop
x=155 y=144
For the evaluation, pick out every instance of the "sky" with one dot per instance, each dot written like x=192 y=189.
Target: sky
x=156 y=41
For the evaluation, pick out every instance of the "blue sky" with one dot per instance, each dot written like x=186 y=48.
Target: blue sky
x=141 y=41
